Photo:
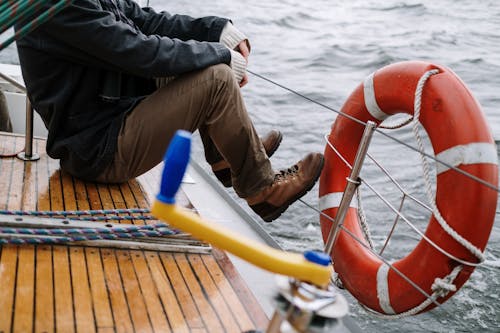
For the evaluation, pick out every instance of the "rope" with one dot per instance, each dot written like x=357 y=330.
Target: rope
x=86 y=231
x=425 y=164
x=17 y=240
x=75 y=212
x=14 y=235
x=9 y=155
x=114 y=218
x=78 y=214
x=362 y=220
x=440 y=287
x=397 y=125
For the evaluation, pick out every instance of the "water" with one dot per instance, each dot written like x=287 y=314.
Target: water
x=323 y=50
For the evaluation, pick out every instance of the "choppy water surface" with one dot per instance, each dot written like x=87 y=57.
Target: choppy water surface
x=324 y=49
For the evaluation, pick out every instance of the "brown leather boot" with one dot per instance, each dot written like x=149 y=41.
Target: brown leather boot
x=288 y=186
x=271 y=142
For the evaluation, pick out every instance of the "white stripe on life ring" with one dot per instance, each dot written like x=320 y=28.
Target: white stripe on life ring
x=332 y=200
x=383 y=289
x=472 y=153
x=371 y=100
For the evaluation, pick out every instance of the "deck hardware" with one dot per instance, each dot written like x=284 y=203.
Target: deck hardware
x=302 y=307
x=351 y=187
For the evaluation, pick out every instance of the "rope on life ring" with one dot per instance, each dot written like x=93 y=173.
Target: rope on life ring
x=463 y=209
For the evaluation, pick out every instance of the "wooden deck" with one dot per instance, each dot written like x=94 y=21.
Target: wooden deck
x=83 y=289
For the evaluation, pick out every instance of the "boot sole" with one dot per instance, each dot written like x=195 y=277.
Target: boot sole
x=273 y=149
x=274 y=214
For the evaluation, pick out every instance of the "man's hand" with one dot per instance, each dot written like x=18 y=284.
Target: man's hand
x=245 y=52
x=243 y=49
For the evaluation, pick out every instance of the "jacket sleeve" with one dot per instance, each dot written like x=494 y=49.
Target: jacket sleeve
x=86 y=27
x=183 y=27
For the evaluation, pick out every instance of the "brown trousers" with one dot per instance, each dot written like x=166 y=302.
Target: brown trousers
x=208 y=100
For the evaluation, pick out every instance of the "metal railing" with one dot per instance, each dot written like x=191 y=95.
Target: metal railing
x=27 y=154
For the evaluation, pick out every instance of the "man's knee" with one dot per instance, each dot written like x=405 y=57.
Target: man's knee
x=221 y=73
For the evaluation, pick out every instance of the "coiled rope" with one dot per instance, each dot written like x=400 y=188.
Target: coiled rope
x=21 y=235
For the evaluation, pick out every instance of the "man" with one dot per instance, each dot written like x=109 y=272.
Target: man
x=113 y=82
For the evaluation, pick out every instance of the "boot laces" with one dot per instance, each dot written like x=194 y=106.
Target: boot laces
x=286 y=173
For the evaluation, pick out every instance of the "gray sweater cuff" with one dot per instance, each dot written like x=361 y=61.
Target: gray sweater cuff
x=239 y=65
x=231 y=36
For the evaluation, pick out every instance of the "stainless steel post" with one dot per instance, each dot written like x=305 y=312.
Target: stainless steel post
x=27 y=154
x=352 y=184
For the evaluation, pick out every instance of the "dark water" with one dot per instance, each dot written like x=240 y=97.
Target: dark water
x=324 y=49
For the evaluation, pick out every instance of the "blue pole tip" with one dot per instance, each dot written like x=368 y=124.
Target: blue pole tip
x=316 y=257
x=175 y=163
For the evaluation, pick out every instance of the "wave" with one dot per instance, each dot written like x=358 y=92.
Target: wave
x=417 y=8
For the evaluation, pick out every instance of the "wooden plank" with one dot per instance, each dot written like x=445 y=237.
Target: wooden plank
x=114 y=287
x=245 y=295
x=82 y=199
x=63 y=296
x=93 y=196
x=168 y=299
x=182 y=292
x=65 y=319
x=44 y=291
x=82 y=299
x=100 y=297
x=139 y=192
x=44 y=278
x=207 y=312
x=105 y=196
x=101 y=306
x=15 y=192
x=236 y=307
x=119 y=306
x=22 y=188
x=116 y=196
x=215 y=298
x=199 y=330
x=150 y=292
x=136 y=305
x=8 y=262
x=29 y=184
x=25 y=286
x=43 y=191
x=133 y=201
x=8 y=258
x=135 y=299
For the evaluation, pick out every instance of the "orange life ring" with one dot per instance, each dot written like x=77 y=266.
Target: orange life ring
x=459 y=135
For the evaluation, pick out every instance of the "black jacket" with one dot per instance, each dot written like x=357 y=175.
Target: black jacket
x=84 y=70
